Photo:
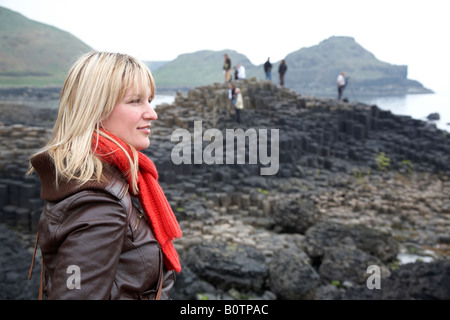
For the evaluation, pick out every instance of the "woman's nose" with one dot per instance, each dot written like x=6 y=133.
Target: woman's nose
x=150 y=113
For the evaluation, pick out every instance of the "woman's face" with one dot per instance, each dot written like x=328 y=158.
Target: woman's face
x=130 y=119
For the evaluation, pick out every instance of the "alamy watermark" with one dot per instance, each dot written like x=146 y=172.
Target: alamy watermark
x=374 y=280
x=74 y=280
x=222 y=149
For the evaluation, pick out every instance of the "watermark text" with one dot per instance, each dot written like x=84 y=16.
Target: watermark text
x=223 y=150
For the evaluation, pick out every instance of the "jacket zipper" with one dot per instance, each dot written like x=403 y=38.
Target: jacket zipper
x=138 y=219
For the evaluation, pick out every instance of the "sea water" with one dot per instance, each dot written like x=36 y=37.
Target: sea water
x=418 y=106
x=161 y=99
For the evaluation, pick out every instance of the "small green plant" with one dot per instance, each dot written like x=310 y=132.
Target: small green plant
x=263 y=191
x=336 y=283
x=383 y=162
x=413 y=250
x=407 y=165
x=203 y=296
x=358 y=174
x=394 y=265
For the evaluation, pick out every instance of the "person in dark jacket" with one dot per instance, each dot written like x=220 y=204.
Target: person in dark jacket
x=268 y=69
x=227 y=68
x=282 y=71
x=107 y=229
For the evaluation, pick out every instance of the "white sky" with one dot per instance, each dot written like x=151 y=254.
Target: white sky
x=404 y=32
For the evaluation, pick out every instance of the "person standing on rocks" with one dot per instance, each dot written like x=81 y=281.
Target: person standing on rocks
x=231 y=96
x=236 y=73
x=282 y=71
x=227 y=68
x=95 y=242
x=241 y=72
x=238 y=104
x=341 y=84
x=268 y=69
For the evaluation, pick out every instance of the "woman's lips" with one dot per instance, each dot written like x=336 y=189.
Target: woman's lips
x=145 y=129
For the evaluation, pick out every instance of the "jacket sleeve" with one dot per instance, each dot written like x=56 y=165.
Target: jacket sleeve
x=91 y=238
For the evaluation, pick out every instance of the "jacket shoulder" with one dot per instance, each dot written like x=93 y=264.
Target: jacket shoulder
x=117 y=187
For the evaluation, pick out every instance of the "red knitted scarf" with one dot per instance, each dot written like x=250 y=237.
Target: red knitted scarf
x=151 y=196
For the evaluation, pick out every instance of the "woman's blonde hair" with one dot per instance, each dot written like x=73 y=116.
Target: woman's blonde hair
x=94 y=85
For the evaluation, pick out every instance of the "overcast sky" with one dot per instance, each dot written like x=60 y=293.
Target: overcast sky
x=404 y=32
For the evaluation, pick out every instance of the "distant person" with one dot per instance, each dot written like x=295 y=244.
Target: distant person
x=236 y=73
x=282 y=71
x=268 y=69
x=241 y=72
x=341 y=84
x=227 y=68
x=96 y=243
x=231 y=91
x=231 y=96
x=238 y=104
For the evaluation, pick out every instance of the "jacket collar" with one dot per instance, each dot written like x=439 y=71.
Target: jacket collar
x=113 y=181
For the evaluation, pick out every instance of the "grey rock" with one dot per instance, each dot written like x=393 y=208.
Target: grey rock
x=328 y=234
x=292 y=275
x=228 y=265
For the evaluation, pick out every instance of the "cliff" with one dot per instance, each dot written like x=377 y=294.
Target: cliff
x=314 y=71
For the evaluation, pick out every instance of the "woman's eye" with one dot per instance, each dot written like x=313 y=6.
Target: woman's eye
x=136 y=101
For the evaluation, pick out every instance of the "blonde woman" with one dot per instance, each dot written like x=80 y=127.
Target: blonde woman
x=95 y=243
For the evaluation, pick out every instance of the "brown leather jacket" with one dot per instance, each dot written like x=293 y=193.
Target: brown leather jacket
x=95 y=243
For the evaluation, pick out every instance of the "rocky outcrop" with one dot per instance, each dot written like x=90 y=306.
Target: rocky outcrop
x=292 y=275
x=325 y=235
x=355 y=187
x=228 y=265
